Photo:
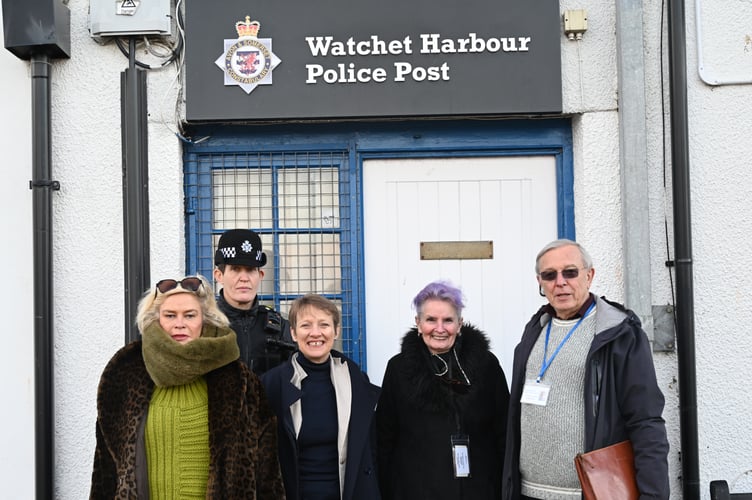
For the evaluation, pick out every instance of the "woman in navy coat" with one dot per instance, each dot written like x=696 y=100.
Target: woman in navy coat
x=325 y=409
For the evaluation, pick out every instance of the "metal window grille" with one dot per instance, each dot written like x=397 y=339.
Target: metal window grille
x=304 y=205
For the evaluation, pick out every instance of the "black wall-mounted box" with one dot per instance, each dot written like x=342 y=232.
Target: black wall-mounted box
x=33 y=27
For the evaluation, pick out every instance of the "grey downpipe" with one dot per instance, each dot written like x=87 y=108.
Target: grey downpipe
x=42 y=187
x=685 y=325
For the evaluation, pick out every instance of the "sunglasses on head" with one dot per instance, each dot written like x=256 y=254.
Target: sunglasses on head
x=191 y=283
x=567 y=274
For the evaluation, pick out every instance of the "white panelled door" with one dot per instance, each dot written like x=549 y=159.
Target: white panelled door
x=509 y=200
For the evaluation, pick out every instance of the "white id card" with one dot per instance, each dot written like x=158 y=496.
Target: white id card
x=535 y=393
x=461 y=455
x=461 y=461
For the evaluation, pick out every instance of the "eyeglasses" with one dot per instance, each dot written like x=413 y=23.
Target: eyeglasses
x=568 y=274
x=191 y=283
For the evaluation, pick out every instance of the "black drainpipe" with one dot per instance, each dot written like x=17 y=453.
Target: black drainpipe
x=685 y=324
x=37 y=30
x=42 y=186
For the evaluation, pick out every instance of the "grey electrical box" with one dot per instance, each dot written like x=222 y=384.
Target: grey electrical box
x=129 y=17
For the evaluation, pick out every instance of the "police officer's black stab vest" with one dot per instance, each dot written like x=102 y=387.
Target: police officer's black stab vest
x=263 y=335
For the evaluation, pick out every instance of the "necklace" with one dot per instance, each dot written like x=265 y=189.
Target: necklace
x=441 y=371
x=437 y=370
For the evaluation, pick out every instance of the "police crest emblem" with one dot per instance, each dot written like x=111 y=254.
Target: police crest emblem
x=248 y=61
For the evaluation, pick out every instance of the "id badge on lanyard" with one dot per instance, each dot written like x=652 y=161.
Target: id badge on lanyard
x=535 y=392
x=461 y=455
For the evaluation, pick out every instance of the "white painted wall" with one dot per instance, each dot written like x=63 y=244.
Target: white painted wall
x=88 y=255
x=719 y=121
x=721 y=168
x=16 y=296
x=88 y=230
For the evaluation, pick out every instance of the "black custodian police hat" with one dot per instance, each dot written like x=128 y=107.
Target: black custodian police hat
x=240 y=247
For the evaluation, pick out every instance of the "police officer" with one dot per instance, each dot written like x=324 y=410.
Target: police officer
x=263 y=334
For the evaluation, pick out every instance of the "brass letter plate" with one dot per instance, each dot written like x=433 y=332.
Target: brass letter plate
x=456 y=250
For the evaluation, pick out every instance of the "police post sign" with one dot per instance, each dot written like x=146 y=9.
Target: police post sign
x=340 y=59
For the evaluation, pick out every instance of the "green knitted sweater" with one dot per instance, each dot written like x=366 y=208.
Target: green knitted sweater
x=177 y=441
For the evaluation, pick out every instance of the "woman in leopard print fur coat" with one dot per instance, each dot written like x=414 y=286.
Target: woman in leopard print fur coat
x=237 y=431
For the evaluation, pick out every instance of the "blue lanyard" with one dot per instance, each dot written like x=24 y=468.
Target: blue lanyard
x=547 y=362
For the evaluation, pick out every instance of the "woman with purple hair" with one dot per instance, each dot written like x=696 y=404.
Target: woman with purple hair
x=442 y=413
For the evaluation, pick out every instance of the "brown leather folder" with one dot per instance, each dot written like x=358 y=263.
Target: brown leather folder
x=608 y=473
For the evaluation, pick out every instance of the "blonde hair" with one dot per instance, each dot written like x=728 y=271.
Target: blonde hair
x=152 y=300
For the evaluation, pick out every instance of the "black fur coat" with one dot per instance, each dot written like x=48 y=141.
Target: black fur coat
x=418 y=413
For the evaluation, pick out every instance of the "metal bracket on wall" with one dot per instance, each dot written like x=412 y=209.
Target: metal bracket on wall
x=54 y=185
x=664 y=334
